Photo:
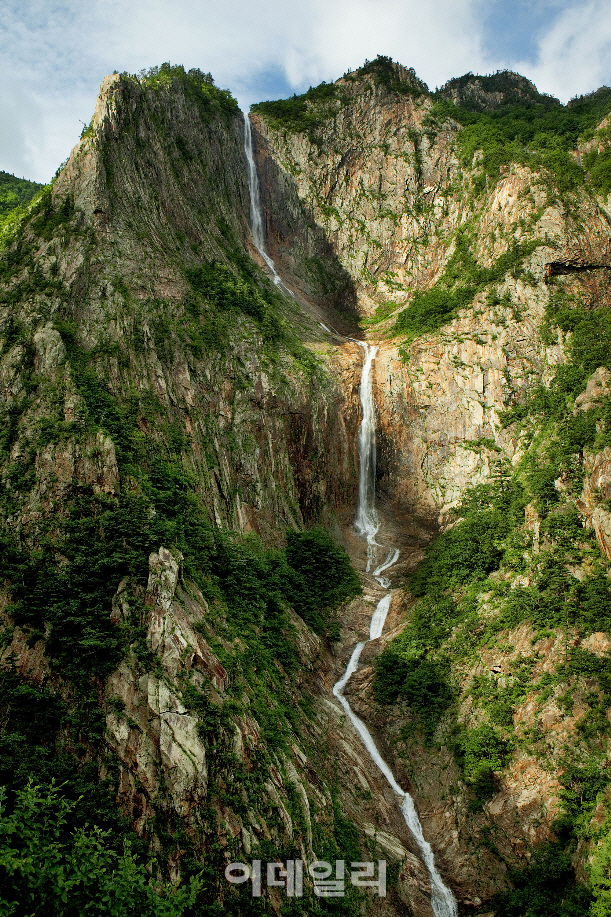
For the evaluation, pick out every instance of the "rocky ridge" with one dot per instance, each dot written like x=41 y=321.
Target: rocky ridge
x=384 y=179
x=119 y=348
x=385 y=182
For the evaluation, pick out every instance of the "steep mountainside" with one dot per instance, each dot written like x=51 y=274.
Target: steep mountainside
x=157 y=396
x=383 y=171
x=15 y=193
x=479 y=248
x=179 y=468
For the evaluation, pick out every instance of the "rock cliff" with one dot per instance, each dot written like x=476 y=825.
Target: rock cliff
x=174 y=425
x=380 y=164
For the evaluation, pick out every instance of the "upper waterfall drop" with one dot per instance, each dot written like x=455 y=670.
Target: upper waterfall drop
x=256 y=221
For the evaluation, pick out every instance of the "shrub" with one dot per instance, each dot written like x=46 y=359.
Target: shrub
x=594 y=596
x=198 y=86
x=598 y=165
x=475 y=546
x=387 y=74
x=421 y=680
x=545 y=888
x=48 y=868
x=537 y=132
x=481 y=752
x=588 y=348
x=301 y=114
x=320 y=577
x=461 y=280
x=223 y=295
x=15 y=194
x=600 y=877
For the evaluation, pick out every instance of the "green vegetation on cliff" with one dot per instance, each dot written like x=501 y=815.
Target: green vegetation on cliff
x=15 y=195
x=50 y=867
x=500 y=90
x=392 y=76
x=309 y=111
x=142 y=332
x=598 y=165
x=459 y=283
x=538 y=132
x=588 y=330
x=493 y=575
x=547 y=888
x=61 y=590
x=146 y=466
x=306 y=112
x=15 y=192
x=198 y=86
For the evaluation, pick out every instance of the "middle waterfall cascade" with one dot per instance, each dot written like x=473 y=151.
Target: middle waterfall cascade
x=367 y=524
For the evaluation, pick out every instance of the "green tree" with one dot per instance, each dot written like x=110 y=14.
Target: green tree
x=600 y=878
x=482 y=751
x=48 y=868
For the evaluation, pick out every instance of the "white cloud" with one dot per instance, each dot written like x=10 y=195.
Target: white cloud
x=20 y=117
x=438 y=40
x=574 y=56
x=234 y=41
x=55 y=52
x=311 y=40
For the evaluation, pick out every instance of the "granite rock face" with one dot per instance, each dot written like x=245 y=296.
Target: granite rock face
x=359 y=215
x=382 y=180
x=596 y=491
x=147 y=200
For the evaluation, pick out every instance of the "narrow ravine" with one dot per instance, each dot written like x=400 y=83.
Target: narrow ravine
x=367 y=525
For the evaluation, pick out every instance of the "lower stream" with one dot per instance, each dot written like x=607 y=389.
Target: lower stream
x=367 y=525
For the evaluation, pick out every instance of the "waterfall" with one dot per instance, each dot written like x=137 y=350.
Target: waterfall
x=367 y=524
x=256 y=221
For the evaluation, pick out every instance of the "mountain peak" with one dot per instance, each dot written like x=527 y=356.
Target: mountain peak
x=391 y=74
x=488 y=93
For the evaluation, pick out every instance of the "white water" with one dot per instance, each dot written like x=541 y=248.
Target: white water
x=367 y=524
x=256 y=221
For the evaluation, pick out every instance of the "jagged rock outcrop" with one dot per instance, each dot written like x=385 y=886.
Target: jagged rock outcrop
x=487 y=93
x=138 y=334
x=385 y=183
x=593 y=503
x=149 y=729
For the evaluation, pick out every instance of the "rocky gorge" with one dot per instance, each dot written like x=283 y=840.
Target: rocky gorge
x=180 y=478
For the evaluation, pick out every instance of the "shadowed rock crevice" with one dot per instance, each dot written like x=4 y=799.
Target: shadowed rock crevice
x=301 y=247
x=169 y=414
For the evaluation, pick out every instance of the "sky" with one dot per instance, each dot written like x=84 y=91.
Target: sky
x=55 y=53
